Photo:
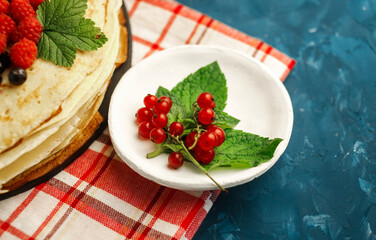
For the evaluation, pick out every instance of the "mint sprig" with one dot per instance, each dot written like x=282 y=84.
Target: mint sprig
x=65 y=30
x=240 y=149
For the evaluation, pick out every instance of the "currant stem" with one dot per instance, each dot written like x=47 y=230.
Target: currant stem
x=195 y=143
x=194 y=113
x=157 y=152
x=198 y=129
x=194 y=161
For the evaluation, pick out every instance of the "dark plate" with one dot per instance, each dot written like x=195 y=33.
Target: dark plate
x=119 y=72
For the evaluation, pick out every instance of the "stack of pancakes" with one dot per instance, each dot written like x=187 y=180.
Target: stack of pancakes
x=51 y=115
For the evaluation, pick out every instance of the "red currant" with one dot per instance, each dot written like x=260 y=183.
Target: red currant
x=217 y=131
x=166 y=99
x=206 y=100
x=160 y=120
x=203 y=156
x=210 y=127
x=206 y=116
x=190 y=140
x=158 y=135
x=145 y=128
x=176 y=128
x=161 y=107
x=175 y=160
x=144 y=114
x=150 y=100
x=207 y=141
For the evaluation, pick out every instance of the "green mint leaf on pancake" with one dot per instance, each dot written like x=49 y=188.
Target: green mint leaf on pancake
x=243 y=150
x=207 y=79
x=65 y=30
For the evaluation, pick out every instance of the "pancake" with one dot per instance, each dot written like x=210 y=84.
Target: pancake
x=51 y=115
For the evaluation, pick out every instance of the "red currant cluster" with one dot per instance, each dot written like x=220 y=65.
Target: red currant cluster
x=152 y=118
x=206 y=141
x=152 y=121
x=152 y=124
x=207 y=136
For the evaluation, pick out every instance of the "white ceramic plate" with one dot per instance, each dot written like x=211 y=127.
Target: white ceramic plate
x=255 y=96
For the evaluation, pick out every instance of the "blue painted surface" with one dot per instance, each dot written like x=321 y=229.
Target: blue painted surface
x=324 y=186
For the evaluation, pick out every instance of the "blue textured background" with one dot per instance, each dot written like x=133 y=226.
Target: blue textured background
x=324 y=186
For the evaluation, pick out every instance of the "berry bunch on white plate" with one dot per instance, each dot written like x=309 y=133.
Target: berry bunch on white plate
x=152 y=123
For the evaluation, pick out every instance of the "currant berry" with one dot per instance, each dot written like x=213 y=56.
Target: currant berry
x=167 y=99
x=217 y=131
x=150 y=100
x=206 y=100
x=176 y=128
x=175 y=160
x=190 y=140
x=207 y=141
x=145 y=128
x=161 y=107
x=144 y=114
x=158 y=135
x=206 y=116
x=203 y=156
x=160 y=120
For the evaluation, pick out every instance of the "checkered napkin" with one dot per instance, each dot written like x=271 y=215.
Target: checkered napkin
x=99 y=196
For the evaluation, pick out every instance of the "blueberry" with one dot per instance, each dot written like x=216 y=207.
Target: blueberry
x=17 y=76
x=5 y=60
x=2 y=68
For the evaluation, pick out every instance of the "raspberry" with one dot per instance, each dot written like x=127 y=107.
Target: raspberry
x=21 y=9
x=3 y=42
x=23 y=53
x=35 y=3
x=29 y=28
x=4 y=6
x=7 y=25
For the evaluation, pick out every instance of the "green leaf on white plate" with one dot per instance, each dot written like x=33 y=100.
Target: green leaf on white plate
x=207 y=79
x=224 y=120
x=243 y=150
x=177 y=111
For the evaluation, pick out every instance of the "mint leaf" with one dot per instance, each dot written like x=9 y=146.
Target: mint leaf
x=223 y=120
x=241 y=150
x=177 y=111
x=50 y=12
x=65 y=30
x=206 y=79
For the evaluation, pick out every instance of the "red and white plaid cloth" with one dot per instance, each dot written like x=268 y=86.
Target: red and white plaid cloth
x=99 y=196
